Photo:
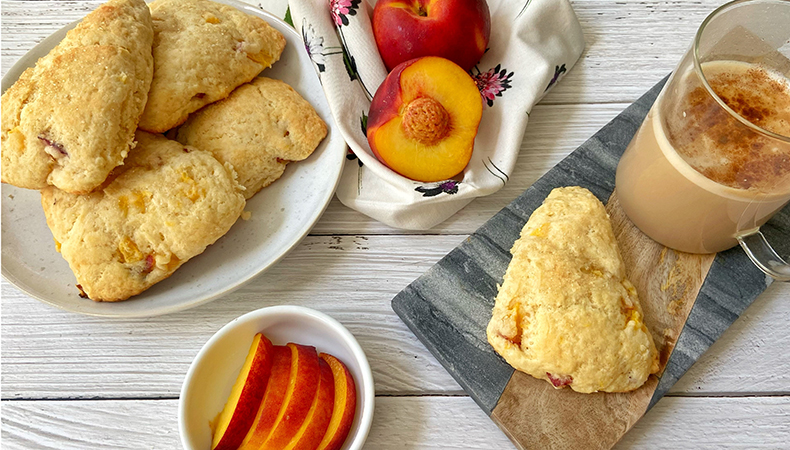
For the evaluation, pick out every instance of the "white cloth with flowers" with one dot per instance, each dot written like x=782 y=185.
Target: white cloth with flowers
x=533 y=43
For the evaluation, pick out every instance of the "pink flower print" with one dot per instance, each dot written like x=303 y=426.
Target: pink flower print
x=342 y=8
x=493 y=83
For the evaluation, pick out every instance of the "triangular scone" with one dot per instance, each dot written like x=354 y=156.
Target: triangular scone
x=202 y=51
x=565 y=312
x=70 y=120
x=258 y=129
x=161 y=208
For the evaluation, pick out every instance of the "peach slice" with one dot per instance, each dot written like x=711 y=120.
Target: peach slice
x=424 y=118
x=315 y=424
x=344 y=408
x=302 y=389
x=237 y=416
x=272 y=400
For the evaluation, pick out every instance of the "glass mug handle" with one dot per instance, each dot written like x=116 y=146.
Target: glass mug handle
x=763 y=255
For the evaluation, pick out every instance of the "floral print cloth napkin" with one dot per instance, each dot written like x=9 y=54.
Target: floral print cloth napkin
x=533 y=43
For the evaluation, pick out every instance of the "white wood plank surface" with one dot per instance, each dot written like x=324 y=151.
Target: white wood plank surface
x=630 y=44
x=400 y=423
x=49 y=353
x=122 y=378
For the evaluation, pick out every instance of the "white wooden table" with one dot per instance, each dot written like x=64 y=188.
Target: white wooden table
x=70 y=381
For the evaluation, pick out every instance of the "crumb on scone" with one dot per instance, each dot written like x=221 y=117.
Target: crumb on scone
x=70 y=120
x=202 y=51
x=165 y=205
x=566 y=312
x=261 y=127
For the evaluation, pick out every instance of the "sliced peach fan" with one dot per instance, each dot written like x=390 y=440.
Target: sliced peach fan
x=287 y=398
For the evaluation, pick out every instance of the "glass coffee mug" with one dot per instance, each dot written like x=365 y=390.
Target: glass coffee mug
x=711 y=162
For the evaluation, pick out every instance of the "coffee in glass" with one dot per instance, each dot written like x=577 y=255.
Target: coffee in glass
x=711 y=162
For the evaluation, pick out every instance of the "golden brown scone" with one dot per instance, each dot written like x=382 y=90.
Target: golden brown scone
x=258 y=129
x=165 y=205
x=202 y=51
x=70 y=120
x=565 y=312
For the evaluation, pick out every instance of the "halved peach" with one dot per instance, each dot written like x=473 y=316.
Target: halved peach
x=315 y=424
x=424 y=118
x=345 y=405
x=302 y=389
x=272 y=401
x=237 y=416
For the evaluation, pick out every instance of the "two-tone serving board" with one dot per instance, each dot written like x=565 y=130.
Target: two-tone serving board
x=688 y=301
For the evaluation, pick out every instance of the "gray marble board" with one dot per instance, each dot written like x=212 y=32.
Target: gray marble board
x=448 y=308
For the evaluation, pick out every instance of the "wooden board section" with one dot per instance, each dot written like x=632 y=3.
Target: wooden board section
x=668 y=281
x=689 y=300
x=53 y=354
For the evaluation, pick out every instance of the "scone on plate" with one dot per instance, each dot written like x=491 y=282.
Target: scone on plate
x=165 y=205
x=202 y=51
x=566 y=312
x=258 y=129
x=70 y=120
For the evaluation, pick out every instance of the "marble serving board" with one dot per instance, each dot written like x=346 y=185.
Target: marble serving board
x=688 y=302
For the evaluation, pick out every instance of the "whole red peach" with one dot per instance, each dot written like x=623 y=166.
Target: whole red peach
x=454 y=29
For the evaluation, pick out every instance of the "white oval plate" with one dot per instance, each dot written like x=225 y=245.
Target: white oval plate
x=282 y=214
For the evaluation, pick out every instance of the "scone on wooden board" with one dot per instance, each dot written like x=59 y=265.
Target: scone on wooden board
x=165 y=205
x=566 y=312
x=71 y=119
x=202 y=51
x=261 y=127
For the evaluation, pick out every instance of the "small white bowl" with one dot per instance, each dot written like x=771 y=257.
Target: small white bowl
x=214 y=370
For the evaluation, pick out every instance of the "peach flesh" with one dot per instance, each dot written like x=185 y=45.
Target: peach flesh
x=344 y=407
x=276 y=390
x=302 y=389
x=236 y=418
x=315 y=424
